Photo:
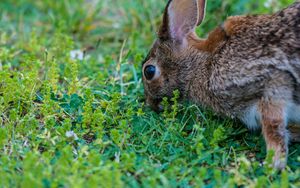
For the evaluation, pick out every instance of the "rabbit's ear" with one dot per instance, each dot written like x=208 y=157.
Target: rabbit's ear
x=201 y=11
x=181 y=18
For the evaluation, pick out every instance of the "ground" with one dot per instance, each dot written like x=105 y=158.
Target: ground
x=72 y=110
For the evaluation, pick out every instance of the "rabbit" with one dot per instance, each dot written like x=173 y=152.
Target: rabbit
x=248 y=68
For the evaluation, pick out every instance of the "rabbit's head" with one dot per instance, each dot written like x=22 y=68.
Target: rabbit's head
x=169 y=62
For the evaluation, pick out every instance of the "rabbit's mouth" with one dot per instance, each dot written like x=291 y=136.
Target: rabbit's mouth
x=155 y=104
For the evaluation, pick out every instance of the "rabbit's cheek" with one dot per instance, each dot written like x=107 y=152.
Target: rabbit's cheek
x=156 y=86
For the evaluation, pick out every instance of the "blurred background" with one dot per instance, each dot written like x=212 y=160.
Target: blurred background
x=111 y=21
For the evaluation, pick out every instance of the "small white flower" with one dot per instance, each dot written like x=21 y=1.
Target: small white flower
x=116 y=25
x=268 y=3
x=117 y=157
x=77 y=55
x=71 y=134
x=100 y=58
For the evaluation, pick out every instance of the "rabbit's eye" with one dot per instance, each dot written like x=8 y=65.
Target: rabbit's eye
x=149 y=72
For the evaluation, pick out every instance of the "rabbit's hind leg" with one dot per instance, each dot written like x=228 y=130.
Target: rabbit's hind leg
x=294 y=119
x=274 y=130
x=294 y=133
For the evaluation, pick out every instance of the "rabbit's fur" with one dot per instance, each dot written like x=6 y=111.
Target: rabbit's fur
x=248 y=68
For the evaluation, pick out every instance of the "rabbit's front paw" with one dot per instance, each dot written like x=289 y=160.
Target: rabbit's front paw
x=280 y=163
x=280 y=156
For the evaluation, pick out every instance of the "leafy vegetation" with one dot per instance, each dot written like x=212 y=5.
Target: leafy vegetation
x=72 y=112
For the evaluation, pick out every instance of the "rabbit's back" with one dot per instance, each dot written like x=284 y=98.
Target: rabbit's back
x=261 y=57
x=281 y=29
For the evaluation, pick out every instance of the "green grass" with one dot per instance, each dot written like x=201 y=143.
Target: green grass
x=83 y=123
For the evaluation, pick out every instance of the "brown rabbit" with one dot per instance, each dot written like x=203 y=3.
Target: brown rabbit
x=248 y=68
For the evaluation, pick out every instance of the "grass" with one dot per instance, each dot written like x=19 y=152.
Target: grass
x=82 y=122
